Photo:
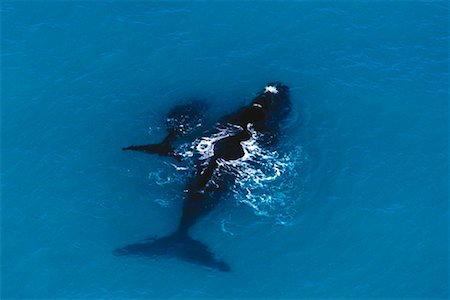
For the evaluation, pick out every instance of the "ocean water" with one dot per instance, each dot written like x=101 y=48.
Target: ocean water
x=359 y=211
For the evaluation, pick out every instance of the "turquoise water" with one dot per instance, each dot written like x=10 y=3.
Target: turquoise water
x=366 y=197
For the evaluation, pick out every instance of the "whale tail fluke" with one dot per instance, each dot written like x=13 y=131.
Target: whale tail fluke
x=178 y=245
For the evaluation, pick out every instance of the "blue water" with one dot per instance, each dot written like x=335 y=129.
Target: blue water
x=367 y=213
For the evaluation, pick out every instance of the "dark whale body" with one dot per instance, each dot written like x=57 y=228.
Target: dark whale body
x=263 y=114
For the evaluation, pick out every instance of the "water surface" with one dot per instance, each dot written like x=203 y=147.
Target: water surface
x=368 y=195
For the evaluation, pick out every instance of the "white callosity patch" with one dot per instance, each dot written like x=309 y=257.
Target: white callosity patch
x=271 y=89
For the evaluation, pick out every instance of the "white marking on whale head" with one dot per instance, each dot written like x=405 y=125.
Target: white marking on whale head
x=271 y=89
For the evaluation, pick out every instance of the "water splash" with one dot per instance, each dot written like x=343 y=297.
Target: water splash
x=168 y=179
x=263 y=178
x=205 y=145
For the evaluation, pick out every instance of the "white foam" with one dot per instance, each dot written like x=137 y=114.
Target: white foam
x=271 y=89
x=205 y=145
x=263 y=177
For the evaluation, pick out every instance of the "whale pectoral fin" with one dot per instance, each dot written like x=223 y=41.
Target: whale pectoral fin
x=151 y=149
x=159 y=149
x=164 y=148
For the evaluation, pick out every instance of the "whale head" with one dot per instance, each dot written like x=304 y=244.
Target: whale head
x=270 y=106
x=273 y=98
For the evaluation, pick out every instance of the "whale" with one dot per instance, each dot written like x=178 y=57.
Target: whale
x=206 y=187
